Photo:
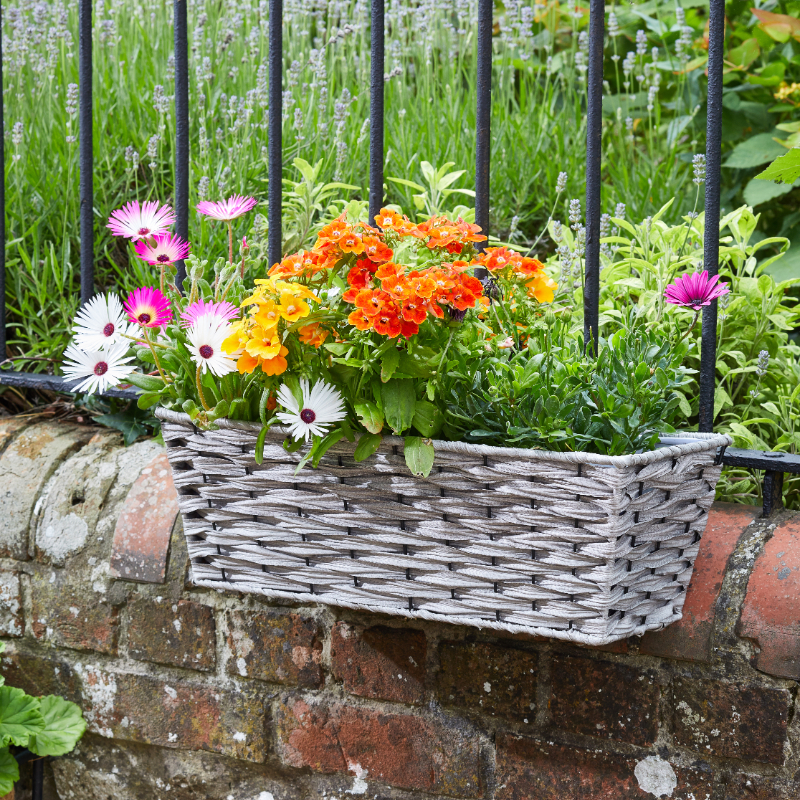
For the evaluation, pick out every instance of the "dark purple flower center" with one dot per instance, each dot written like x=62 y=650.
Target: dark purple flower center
x=109 y=329
x=100 y=368
x=144 y=319
x=162 y=259
x=144 y=231
x=206 y=351
x=307 y=415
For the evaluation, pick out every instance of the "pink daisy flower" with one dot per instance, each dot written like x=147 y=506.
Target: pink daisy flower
x=218 y=313
x=148 y=308
x=138 y=222
x=167 y=249
x=695 y=290
x=227 y=210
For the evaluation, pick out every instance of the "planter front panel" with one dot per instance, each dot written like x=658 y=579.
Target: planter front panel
x=574 y=551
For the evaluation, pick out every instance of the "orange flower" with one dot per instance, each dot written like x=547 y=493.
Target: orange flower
x=360 y=276
x=369 y=302
x=335 y=230
x=291 y=266
x=313 y=334
x=350 y=295
x=468 y=232
x=408 y=328
x=389 y=270
x=472 y=284
x=461 y=299
x=387 y=324
x=421 y=284
x=360 y=320
x=441 y=236
x=272 y=402
x=542 y=287
x=527 y=266
x=351 y=243
x=495 y=258
x=275 y=365
x=376 y=250
x=387 y=219
x=246 y=363
x=414 y=310
x=396 y=286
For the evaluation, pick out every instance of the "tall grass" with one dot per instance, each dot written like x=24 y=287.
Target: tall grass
x=538 y=125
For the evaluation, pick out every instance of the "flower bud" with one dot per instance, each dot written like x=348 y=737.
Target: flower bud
x=549 y=318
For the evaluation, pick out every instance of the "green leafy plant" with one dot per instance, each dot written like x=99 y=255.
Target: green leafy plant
x=47 y=726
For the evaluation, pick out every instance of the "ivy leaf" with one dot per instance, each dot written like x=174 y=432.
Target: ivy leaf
x=9 y=772
x=367 y=445
x=785 y=169
x=419 y=455
x=63 y=727
x=19 y=717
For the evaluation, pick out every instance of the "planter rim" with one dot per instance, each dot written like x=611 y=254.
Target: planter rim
x=703 y=441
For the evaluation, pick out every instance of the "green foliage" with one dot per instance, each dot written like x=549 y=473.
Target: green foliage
x=47 y=726
x=553 y=396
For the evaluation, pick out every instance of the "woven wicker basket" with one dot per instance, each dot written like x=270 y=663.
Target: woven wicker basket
x=574 y=546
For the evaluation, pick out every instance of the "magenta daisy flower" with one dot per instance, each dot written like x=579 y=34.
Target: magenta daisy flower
x=148 y=308
x=219 y=313
x=138 y=222
x=227 y=210
x=695 y=290
x=167 y=249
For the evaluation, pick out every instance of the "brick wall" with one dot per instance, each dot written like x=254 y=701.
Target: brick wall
x=201 y=695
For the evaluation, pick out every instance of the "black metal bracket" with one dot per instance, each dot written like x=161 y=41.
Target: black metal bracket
x=772 y=493
x=54 y=383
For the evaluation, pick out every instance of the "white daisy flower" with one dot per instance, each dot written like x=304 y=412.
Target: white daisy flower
x=101 y=369
x=322 y=405
x=100 y=323
x=205 y=344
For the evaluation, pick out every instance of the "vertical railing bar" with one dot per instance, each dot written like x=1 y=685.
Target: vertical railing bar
x=708 y=346
x=594 y=149
x=376 y=111
x=275 y=144
x=483 y=142
x=3 y=354
x=37 y=788
x=181 y=129
x=86 y=145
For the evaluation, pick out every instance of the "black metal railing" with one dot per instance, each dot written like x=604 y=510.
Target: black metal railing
x=773 y=464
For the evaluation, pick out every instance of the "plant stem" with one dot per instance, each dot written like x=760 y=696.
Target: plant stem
x=230 y=243
x=155 y=356
x=691 y=327
x=200 y=388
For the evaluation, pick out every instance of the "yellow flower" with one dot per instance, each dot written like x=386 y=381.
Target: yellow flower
x=275 y=365
x=295 y=289
x=542 y=288
x=264 y=343
x=238 y=337
x=292 y=308
x=268 y=314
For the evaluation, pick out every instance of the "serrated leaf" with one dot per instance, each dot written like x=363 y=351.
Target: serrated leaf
x=399 y=404
x=367 y=445
x=419 y=454
x=63 y=727
x=9 y=772
x=389 y=362
x=19 y=717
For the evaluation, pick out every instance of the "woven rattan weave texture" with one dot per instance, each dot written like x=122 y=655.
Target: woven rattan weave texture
x=574 y=546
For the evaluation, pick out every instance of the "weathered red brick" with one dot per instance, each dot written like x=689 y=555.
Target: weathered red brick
x=380 y=662
x=403 y=750
x=175 y=714
x=66 y=613
x=25 y=466
x=274 y=646
x=141 y=538
x=690 y=637
x=532 y=769
x=758 y=787
x=499 y=681
x=604 y=698
x=39 y=672
x=11 y=622
x=771 y=612
x=731 y=720
x=182 y=634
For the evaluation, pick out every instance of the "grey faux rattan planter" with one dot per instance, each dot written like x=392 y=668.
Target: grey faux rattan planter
x=574 y=546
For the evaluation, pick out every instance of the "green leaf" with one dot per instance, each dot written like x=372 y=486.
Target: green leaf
x=148 y=399
x=389 y=362
x=759 y=191
x=326 y=444
x=63 y=727
x=130 y=426
x=148 y=383
x=370 y=416
x=753 y=152
x=399 y=404
x=262 y=435
x=428 y=419
x=721 y=399
x=19 y=717
x=785 y=169
x=9 y=772
x=367 y=445
x=419 y=455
